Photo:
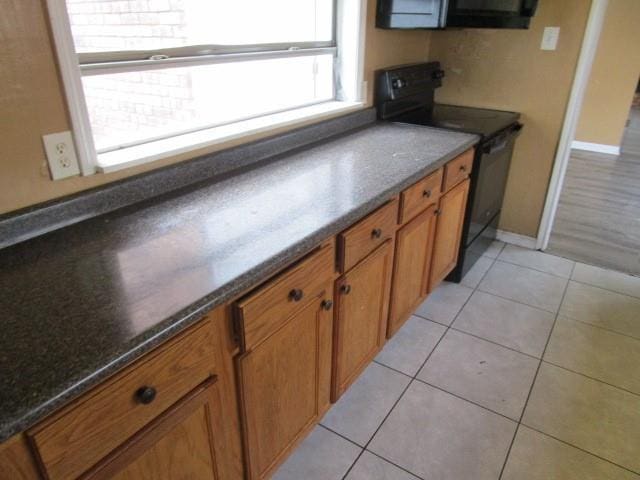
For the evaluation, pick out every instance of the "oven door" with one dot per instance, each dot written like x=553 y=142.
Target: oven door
x=491 y=181
x=491 y=13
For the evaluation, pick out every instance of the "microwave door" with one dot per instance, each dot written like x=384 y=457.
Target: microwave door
x=491 y=13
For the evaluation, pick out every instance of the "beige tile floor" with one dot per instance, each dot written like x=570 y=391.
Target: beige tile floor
x=528 y=370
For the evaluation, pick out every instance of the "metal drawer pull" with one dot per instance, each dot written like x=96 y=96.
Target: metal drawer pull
x=376 y=233
x=326 y=304
x=296 y=294
x=463 y=168
x=426 y=193
x=146 y=395
x=345 y=289
x=437 y=212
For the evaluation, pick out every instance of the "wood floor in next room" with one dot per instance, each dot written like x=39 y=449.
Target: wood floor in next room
x=598 y=217
x=528 y=370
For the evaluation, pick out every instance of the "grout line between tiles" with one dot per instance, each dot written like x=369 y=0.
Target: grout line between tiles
x=369 y=451
x=607 y=289
x=522 y=303
x=341 y=436
x=535 y=377
x=376 y=431
x=465 y=399
x=591 y=378
x=396 y=465
x=392 y=369
x=494 y=342
x=579 y=448
x=425 y=318
x=564 y=315
x=537 y=269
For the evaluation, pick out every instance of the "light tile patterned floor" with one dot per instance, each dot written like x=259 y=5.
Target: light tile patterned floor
x=528 y=370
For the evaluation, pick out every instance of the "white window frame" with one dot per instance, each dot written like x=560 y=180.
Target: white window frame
x=349 y=73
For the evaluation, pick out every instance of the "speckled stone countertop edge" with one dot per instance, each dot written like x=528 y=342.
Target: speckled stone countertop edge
x=191 y=314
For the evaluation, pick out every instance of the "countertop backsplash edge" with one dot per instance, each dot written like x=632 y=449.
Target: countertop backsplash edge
x=39 y=219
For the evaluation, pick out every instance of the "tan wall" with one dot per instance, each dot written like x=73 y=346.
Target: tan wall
x=614 y=76
x=32 y=101
x=391 y=47
x=506 y=69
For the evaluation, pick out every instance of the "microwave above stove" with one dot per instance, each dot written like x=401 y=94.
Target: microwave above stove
x=410 y=14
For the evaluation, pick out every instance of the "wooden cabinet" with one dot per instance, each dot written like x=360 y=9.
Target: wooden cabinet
x=232 y=396
x=457 y=170
x=420 y=195
x=17 y=461
x=284 y=370
x=448 y=231
x=179 y=444
x=79 y=436
x=262 y=312
x=362 y=300
x=412 y=264
x=284 y=385
x=364 y=237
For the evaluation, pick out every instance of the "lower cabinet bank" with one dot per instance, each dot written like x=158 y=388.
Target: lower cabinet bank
x=232 y=396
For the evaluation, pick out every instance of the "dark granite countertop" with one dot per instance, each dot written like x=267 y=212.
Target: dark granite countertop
x=81 y=302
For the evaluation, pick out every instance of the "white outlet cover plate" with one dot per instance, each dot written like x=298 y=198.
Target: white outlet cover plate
x=550 y=38
x=61 y=155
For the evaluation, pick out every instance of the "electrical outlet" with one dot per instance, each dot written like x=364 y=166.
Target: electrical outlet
x=61 y=155
x=550 y=38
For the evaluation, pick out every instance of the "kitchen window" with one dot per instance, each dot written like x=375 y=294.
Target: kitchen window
x=148 y=79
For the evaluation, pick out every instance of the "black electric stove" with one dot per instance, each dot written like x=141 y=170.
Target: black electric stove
x=406 y=94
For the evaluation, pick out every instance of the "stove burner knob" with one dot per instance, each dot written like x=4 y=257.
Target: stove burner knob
x=398 y=83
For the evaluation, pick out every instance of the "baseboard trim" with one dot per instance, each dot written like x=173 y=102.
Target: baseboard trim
x=517 y=239
x=596 y=147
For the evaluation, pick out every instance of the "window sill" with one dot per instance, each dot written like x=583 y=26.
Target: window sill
x=160 y=149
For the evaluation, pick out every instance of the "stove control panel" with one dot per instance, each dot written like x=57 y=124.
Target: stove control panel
x=406 y=87
x=406 y=80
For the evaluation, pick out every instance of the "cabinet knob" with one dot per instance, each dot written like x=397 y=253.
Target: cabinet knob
x=426 y=193
x=463 y=168
x=296 y=294
x=437 y=212
x=326 y=304
x=345 y=289
x=376 y=233
x=146 y=395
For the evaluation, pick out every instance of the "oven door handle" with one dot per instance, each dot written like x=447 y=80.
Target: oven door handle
x=495 y=147
x=501 y=142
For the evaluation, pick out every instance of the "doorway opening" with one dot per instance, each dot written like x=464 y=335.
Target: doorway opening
x=592 y=212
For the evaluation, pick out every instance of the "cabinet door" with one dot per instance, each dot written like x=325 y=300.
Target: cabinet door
x=285 y=384
x=448 y=232
x=180 y=444
x=412 y=261
x=362 y=307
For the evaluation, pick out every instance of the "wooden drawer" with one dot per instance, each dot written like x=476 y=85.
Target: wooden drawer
x=264 y=311
x=420 y=196
x=77 y=438
x=457 y=170
x=365 y=236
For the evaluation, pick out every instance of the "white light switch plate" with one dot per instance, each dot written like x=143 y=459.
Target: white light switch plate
x=550 y=38
x=61 y=155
